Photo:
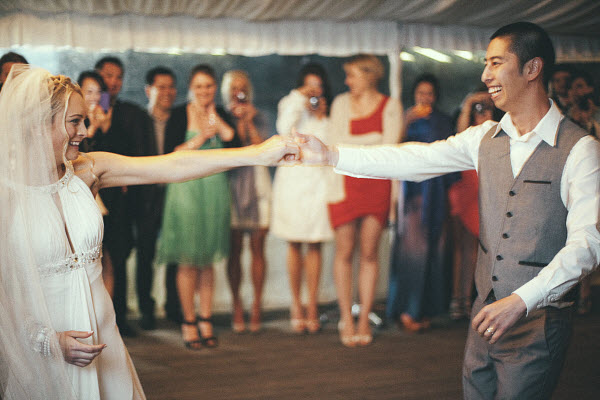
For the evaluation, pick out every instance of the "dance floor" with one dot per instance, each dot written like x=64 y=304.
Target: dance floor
x=277 y=364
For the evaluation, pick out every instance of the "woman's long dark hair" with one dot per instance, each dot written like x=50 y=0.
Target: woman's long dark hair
x=318 y=70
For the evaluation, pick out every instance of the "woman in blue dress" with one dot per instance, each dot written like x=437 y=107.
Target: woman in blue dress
x=418 y=286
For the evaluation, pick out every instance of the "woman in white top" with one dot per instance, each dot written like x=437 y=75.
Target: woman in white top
x=59 y=336
x=300 y=192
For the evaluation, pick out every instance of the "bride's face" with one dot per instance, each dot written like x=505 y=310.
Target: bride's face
x=74 y=127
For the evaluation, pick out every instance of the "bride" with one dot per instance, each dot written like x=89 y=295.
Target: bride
x=59 y=337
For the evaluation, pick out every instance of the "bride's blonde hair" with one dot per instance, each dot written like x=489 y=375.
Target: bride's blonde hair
x=61 y=87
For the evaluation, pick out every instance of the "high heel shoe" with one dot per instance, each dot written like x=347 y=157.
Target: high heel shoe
x=410 y=325
x=255 y=325
x=297 y=325
x=347 y=340
x=313 y=326
x=297 y=321
x=191 y=344
x=238 y=327
x=207 y=341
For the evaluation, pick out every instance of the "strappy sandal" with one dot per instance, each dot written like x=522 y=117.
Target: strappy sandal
x=191 y=344
x=313 y=326
x=210 y=341
x=347 y=340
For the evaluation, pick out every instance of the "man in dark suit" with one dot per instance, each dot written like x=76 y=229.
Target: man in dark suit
x=128 y=128
x=148 y=200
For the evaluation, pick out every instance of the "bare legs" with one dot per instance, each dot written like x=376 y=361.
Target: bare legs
x=234 y=273
x=345 y=237
x=191 y=280
x=311 y=264
x=342 y=272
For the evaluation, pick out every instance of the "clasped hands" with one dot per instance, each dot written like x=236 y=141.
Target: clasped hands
x=298 y=149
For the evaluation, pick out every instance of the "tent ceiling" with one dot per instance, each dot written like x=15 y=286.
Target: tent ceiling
x=570 y=17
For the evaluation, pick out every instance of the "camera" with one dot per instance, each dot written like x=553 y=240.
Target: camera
x=314 y=102
x=480 y=108
x=241 y=97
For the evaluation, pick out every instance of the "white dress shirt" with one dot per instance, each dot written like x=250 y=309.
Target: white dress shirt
x=579 y=189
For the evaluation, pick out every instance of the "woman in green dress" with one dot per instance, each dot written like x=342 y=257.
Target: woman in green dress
x=195 y=230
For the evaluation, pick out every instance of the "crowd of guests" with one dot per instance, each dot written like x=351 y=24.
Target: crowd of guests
x=190 y=226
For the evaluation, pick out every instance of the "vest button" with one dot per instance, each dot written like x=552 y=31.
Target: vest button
x=505 y=235
x=511 y=193
x=494 y=278
x=499 y=257
x=509 y=214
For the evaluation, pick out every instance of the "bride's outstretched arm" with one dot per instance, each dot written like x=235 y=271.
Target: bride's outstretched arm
x=115 y=170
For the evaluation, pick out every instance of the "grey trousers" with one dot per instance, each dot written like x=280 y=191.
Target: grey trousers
x=525 y=363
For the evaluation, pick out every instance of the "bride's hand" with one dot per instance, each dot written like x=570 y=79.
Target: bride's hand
x=75 y=352
x=278 y=150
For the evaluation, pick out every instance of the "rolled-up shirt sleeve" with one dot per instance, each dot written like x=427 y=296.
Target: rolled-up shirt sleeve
x=580 y=192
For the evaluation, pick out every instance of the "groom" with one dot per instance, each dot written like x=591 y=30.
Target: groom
x=539 y=183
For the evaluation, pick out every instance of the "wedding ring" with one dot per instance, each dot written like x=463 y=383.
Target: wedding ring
x=490 y=330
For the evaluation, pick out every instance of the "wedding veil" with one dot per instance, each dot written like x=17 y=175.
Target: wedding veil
x=31 y=362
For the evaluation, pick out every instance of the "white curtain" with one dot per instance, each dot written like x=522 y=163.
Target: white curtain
x=445 y=38
x=179 y=33
x=187 y=34
x=579 y=17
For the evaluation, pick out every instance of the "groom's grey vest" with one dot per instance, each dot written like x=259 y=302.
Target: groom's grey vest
x=522 y=220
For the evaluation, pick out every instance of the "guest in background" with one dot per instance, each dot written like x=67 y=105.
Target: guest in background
x=99 y=112
x=6 y=62
x=147 y=201
x=584 y=111
x=582 y=97
x=300 y=195
x=559 y=86
x=250 y=198
x=360 y=207
x=129 y=126
x=464 y=210
x=418 y=271
x=98 y=120
x=195 y=228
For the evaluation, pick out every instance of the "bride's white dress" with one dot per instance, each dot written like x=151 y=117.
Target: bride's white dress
x=72 y=282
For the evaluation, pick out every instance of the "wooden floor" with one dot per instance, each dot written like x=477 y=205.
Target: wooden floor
x=276 y=364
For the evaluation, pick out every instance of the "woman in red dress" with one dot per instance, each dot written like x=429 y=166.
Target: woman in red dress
x=360 y=207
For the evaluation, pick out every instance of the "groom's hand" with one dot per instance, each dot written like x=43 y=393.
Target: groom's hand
x=315 y=152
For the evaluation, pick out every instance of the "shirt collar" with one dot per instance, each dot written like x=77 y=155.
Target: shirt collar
x=546 y=129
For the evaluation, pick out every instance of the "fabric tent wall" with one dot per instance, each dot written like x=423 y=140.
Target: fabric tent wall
x=234 y=36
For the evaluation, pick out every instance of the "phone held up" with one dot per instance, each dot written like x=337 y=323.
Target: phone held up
x=105 y=101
